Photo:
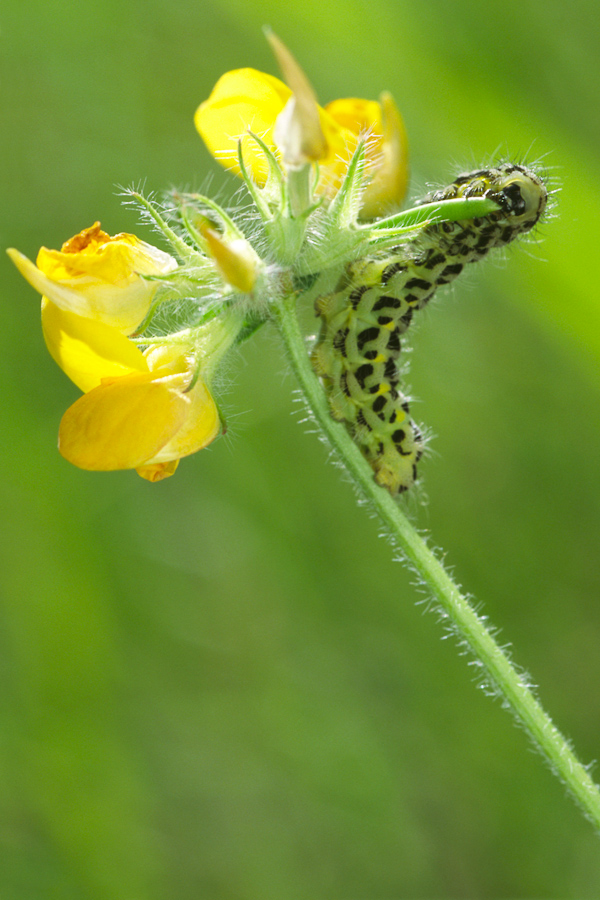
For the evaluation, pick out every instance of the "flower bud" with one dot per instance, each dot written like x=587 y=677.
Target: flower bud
x=298 y=133
x=236 y=260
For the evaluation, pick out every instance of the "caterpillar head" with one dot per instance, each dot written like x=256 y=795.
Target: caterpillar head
x=519 y=192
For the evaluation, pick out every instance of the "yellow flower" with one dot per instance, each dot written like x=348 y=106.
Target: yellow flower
x=247 y=100
x=98 y=276
x=141 y=411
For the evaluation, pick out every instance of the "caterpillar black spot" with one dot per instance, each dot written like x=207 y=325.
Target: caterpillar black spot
x=359 y=346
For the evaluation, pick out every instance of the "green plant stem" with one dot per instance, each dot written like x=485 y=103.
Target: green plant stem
x=497 y=667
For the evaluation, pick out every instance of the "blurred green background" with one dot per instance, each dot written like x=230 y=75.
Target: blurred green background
x=221 y=686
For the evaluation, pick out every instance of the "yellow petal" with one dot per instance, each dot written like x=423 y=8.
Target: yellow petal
x=242 y=100
x=390 y=179
x=159 y=471
x=123 y=423
x=88 y=351
x=246 y=99
x=96 y=254
x=341 y=144
x=387 y=148
x=61 y=294
x=170 y=359
x=202 y=425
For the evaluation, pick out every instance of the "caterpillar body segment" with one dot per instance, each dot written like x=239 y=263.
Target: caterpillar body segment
x=357 y=357
x=362 y=320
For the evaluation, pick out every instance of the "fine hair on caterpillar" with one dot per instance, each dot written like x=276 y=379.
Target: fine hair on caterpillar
x=358 y=350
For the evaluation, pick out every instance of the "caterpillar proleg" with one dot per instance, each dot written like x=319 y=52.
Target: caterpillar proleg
x=359 y=346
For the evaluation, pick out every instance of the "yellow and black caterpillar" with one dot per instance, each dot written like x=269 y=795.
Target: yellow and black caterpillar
x=358 y=348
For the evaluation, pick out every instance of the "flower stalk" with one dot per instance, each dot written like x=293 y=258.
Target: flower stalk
x=498 y=670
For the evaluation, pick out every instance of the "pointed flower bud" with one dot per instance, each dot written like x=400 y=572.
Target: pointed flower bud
x=236 y=260
x=98 y=276
x=298 y=133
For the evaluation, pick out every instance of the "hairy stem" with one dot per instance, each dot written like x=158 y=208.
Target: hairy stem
x=498 y=669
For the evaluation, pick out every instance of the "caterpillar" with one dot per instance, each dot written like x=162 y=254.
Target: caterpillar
x=357 y=351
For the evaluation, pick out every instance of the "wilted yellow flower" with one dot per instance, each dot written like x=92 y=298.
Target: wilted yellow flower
x=99 y=276
x=246 y=100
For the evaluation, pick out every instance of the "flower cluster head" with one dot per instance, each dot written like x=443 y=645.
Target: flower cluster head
x=146 y=393
x=143 y=332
